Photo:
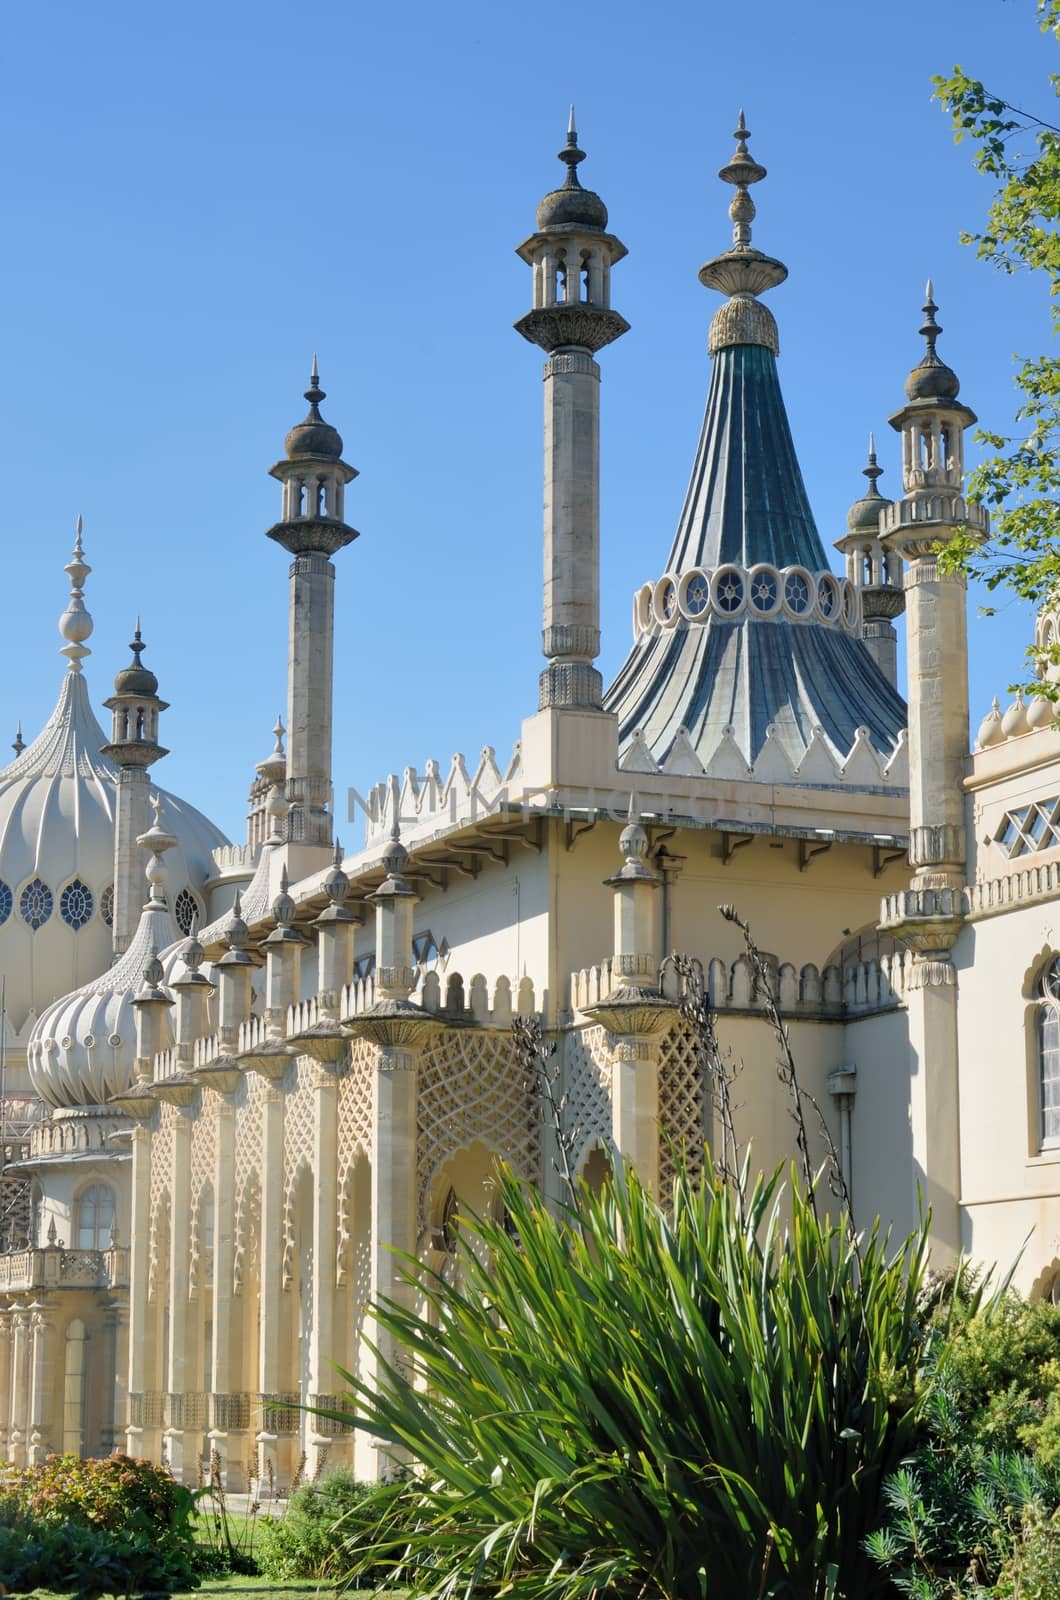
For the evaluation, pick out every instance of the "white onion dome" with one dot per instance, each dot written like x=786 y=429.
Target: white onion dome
x=57 y=822
x=1041 y=713
x=1014 y=722
x=991 y=731
x=82 y=1049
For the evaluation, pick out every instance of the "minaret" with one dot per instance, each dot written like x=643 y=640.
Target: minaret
x=875 y=573
x=931 y=511
x=572 y=255
x=314 y=478
x=134 y=747
x=928 y=915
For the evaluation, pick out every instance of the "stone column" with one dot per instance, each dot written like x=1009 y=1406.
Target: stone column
x=325 y=1212
x=310 y=637
x=570 y=637
x=226 y=1431
x=5 y=1381
x=133 y=793
x=115 y=1359
x=271 y=1288
x=139 y=1440
x=179 y=1252
x=20 y=1350
x=46 y=1429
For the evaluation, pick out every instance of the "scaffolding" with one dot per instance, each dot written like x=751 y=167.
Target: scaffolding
x=18 y=1115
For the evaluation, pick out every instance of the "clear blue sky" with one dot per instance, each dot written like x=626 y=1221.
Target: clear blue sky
x=198 y=196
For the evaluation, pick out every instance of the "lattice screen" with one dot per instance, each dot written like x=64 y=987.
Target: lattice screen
x=587 y=1085
x=472 y=1087
x=684 y=1105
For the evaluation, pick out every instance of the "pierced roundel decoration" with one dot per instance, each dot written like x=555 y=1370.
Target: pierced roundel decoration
x=106 y=905
x=850 y=605
x=185 y=910
x=797 y=591
x=828 y=597
x=36 y=903
x=76 y=904
x=728 y=590
x=669 y=601
x=763 y=590
x=694 y=596
x=7 y=901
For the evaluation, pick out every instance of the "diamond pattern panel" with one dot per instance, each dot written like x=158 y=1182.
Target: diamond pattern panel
x=587 y=1091
x=472 y=1087
x=684 y=1105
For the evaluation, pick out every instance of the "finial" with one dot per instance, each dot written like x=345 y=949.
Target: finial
x=76 y=623
x=314 y=394
x=283 y=907
x=19 y=743
x=137 y=645
x=931 y=329
x=873 y=471
x=278 y=732
x=570 y=155
x=154 y=971
x=741 y=170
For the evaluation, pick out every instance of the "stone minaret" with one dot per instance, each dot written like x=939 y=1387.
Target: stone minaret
x=875 y=573
x=134 y=747
x=928 y=915
x=314 y=478
x=572 y=255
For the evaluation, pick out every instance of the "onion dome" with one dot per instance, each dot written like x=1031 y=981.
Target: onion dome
x=1041 y=713
x=571 y=205
x=136 y=678
x=991 y=731
x=82 y=1049
x=864 y=514
x=314 y=436
x=1014 y=722
x=58 y=803
x=932 y=379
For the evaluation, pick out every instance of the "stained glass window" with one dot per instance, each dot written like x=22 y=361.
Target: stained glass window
x=76 y=904
x=36 y=903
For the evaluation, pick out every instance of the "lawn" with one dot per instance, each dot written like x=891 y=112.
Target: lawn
x=259 y=1588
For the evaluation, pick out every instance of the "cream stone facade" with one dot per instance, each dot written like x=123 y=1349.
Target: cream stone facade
x=238 y=1077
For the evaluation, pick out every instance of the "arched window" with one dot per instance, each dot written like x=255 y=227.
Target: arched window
x=95 y=1217
x=1048 y=1021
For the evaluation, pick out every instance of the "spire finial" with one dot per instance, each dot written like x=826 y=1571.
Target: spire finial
x=872 y=471
x=931 y=328
x=314 y=394
x=19 y=743
x=76 y=623
x=570 y=155
x=278 y=732
x=741 y=171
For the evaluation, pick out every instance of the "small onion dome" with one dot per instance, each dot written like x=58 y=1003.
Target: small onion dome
x=932 y=379
x=572 y=205
x=136 y=679
x=336 y=884
x=1041 y=713
x=1014 y=722
x=864 y=514
x=314 y=436
x=395 y=856
x=991 y=731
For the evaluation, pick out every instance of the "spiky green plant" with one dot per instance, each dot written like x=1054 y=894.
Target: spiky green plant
x=696 y=1399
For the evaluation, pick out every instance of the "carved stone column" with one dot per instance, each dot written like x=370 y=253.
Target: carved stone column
x=139 y=1440
x=179 y=1255
x=46 y=1428
x=20 y=1385
x=325 y=1215
x=5 y=1381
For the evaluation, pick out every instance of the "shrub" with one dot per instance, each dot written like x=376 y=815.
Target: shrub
x=1003 y=1370
x=321 y=1519
x=89 y=1561
x=111 y=1492
x=661 y=1402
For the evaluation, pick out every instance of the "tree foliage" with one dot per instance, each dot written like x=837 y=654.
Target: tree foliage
x=1020 y=480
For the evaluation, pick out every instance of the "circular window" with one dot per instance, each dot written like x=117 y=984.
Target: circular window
x=664 y=601
x=696 y=592
x=76 y=904
x=729 y=590
x=642 y=609
x=185 y=910
x=798 y=591
x=828 y=597
x=36 y=903
x=106 y=905
x=7 y=901
x=850 y=605
x=763 y=590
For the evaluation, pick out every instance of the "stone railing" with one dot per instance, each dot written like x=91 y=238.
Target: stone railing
x=332 y=1427
x=55 y=1267
x=862 y=987
x=229 y=1410
x=357 y=996
x=252 y=1033
x=187 y=1410
x=147 y=1410
x=280 y=1413
x=476 y=1003
x=73 y=1135
x=206 y=1050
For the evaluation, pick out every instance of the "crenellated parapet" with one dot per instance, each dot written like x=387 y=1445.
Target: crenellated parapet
x=830 y=993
